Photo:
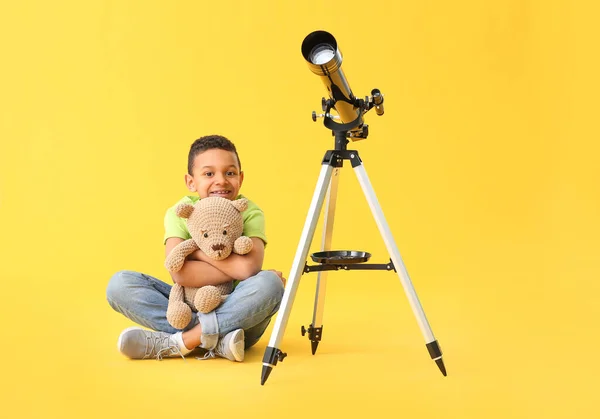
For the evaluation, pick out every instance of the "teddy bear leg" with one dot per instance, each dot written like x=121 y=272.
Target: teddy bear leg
x=225 y=288
x=207 y=299
x=179 y=314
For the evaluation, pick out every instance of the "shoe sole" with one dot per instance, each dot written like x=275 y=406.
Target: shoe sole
x=233 y=346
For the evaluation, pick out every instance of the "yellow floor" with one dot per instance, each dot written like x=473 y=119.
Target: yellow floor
x=519 y=352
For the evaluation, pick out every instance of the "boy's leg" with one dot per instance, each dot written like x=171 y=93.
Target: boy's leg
x=143 y=299
x=254 y=334
x=250 y=307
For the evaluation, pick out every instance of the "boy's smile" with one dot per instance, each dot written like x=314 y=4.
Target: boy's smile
x=216 y=172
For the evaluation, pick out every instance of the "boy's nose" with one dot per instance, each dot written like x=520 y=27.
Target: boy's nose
x=219 y=179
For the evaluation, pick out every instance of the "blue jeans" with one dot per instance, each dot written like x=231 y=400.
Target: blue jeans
x=144 y=300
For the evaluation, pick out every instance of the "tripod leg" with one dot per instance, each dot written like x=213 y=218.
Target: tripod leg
x=272 y=352
x=315 y=330
x=431 y=343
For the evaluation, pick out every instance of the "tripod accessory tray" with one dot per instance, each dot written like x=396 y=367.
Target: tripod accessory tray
x=335 y=260
x=337 y=257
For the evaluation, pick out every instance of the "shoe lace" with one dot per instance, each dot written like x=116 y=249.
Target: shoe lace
x=166 y=345
x=218 y=350
x=214 y=352
x=208 y=355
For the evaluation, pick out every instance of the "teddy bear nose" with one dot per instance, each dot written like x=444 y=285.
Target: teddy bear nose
x=218 y=247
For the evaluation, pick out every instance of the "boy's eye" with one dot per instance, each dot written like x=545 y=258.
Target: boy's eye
x=208 y=174
x=231 y=173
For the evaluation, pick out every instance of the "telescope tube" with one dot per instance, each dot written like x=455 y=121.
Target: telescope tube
x=324 y=59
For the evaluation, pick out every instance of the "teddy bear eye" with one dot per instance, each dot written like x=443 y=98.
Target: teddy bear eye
x=224 y=232
x=205 y=235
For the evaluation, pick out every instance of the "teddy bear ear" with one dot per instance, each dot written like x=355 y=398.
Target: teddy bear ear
x=184 y=210
x=240 y=204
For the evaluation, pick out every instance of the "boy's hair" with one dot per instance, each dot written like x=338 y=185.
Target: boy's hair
x=209 y=142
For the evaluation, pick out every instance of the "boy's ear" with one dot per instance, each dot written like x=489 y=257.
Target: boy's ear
x=189 y=182
x=184 y=210
x=240 y=204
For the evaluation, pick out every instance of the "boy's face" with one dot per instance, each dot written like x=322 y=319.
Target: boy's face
x=216 y=172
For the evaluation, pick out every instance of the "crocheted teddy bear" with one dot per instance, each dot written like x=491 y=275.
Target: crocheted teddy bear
x=216 y=225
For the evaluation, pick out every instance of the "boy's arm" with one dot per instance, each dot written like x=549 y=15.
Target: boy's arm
x=195 y=273
x=238 y=267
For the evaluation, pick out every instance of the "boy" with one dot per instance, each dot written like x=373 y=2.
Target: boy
x=214 y=169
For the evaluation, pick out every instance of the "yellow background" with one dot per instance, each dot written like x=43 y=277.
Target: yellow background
x=486 y=164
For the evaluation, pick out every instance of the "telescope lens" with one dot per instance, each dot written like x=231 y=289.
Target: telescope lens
x=321 y=54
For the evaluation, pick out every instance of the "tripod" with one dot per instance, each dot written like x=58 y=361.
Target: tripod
x=336 y=260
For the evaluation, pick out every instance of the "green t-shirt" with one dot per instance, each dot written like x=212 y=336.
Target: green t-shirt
x=254 y=221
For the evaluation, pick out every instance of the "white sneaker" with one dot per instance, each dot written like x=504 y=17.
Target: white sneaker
x=138 y=343
x=231 y=346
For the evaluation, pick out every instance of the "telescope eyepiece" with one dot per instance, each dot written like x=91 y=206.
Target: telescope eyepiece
x=378 y=101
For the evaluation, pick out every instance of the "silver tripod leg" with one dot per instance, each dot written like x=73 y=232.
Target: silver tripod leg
x=431 y=343
x=315 y=331
x=272 y=353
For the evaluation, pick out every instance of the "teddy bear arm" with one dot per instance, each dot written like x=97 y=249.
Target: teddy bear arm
x=177 y=256
x=242 y=245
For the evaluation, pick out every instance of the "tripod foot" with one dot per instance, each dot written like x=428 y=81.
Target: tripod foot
x=266 y=371
x=436 y=354
x=314 y=334
x=272 y=355
x=441 y=366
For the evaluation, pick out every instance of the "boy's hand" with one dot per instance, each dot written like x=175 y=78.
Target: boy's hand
x=279 y=274
x=199 y=255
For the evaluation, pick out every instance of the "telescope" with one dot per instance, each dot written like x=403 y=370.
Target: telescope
x=321 y=52
x=324 y=59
